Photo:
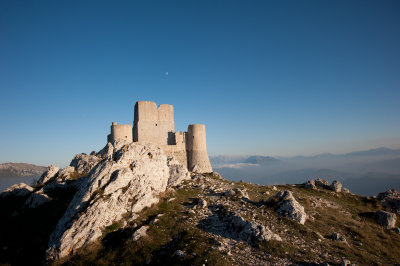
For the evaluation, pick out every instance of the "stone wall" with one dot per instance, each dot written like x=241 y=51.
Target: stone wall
x=156 y=125
x=120 y=132
x=152 y=124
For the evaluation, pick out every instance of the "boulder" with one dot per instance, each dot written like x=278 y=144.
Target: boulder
x=338 y=237
x=233 y=225
x=180 y=253
x=251 y=231
x=65 y=173
x=391 y=200
x=202 y=203
x=386 y=219
x=310 y=184
x=322 y=183
x=107 y=152
x=37 y=199
x=346 y=262
x=345 y=190
x=129 y=183
x=50 y=173
x=336 y=186
x=177 y=172
x=83 y=163
x=216 y=175
x=141 y=232
x=18 y=190
x=288 y=206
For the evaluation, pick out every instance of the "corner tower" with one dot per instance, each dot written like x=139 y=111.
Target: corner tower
x=120 y=132
x=197 y=156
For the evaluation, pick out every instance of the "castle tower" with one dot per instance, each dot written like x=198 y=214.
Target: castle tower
x=120 y=132
x=152 y=124
x=197 y=156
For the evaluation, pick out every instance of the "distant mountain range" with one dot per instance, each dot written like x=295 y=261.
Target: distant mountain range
x=20 y=170
x=12 y=173
x=365 y=172
x=264 y=160
x=259 y=159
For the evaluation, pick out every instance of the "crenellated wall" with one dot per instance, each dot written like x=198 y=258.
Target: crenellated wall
x=152 y=124
x=156 y=125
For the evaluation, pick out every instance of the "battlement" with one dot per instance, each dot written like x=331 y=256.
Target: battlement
x=156 y=125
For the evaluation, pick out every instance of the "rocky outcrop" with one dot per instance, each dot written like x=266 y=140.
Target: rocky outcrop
x=391 y=200
x=83 y=162
x=336 y=186
x=36 y=199
x=106 y=152
x=234 y=226
x=114 y=189
x=310 y=184
x=338 y=237
x=386 y=219
x=19 y=190
x=288 y=206
x=65 y=173
x=141 y=232
x=177 y=172
x=50 y=173
x=322 y=183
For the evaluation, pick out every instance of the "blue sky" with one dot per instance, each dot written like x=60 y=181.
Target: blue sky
x=276 y=78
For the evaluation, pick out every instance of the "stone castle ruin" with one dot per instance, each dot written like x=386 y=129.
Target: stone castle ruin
x=156 y=125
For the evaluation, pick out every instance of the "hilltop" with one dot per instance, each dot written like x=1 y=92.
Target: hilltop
x=131 y=204
x=20 y=170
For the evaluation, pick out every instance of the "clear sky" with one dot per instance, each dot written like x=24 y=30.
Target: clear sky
x=276 y=78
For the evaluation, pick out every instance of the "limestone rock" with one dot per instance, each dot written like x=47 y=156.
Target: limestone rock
x=107 y=151
x=310 y=184
x=202 y=203
x=177 y=172
x=180 y=253
x=251 y=231
x=345 y=190
x=141 y=232
x=289 y=207
x=346 y=262
x=338 y=237
x=113 y=188
x=36 y=199
x=391 y=200
x=50 y=173
x=322 y=183
x=233 y=225
x=65 y=173
x=19 y=190
x=216 y=174
x=241 y=193
x=386 y=219
x=336 y=186
x=83 y=163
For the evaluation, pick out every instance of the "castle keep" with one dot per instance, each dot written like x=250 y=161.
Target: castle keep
x=156 y=125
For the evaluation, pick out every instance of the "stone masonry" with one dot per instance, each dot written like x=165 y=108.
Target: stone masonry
x=156 y=125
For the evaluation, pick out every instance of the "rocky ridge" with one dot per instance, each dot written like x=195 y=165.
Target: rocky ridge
x=138 y=206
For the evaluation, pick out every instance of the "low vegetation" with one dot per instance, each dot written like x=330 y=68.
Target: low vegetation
x=174 y=236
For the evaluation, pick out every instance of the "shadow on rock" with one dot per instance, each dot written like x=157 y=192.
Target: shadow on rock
x=232 y=225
